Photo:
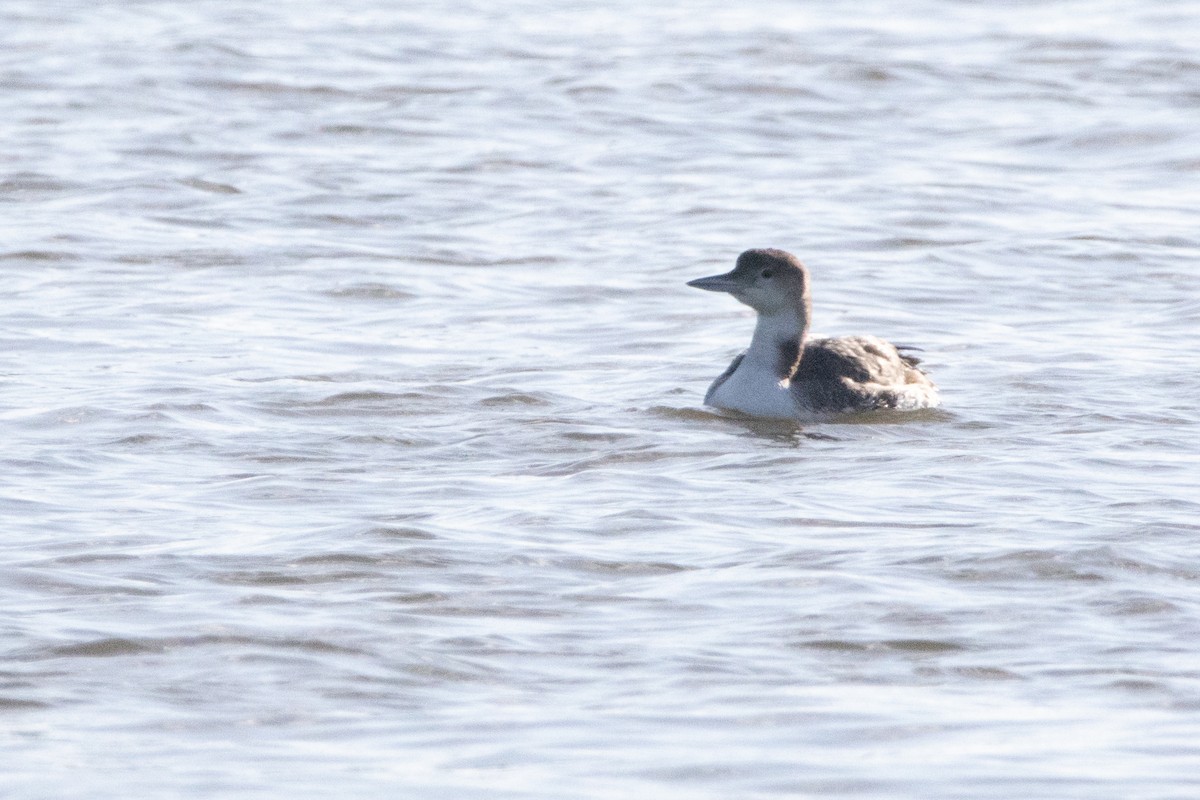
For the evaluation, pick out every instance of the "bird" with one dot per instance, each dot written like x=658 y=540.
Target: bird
x=786 y=375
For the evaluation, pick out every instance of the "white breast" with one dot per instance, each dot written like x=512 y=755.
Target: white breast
x=754 y=389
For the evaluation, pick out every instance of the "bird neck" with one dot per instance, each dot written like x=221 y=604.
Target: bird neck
x=779 y=340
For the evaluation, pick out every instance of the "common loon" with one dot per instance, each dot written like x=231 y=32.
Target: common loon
x=784 y=374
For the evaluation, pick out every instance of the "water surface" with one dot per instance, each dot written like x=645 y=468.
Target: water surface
x=352 y=401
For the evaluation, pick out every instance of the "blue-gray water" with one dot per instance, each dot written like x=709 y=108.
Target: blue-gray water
x=351 y=400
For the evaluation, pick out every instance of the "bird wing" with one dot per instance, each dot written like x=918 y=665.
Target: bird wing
x=724 y=376
x=855 y=372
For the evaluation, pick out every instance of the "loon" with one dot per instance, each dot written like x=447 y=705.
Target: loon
x=786 y=375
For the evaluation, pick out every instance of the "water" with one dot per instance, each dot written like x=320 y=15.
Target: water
x=352 y=401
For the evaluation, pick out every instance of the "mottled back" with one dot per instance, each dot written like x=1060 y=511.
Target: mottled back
x=858 y=372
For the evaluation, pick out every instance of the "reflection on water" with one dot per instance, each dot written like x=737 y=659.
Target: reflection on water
x=353 y=401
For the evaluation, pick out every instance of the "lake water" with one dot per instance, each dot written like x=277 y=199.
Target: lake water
x=351 y=397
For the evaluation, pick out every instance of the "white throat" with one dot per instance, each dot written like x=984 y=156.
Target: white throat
x=772 y=333
x=756 y=387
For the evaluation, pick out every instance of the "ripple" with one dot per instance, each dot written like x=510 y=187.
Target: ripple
x=101 y=648
x=51 y=256
x=515 y=399
x=212 y=187
x=370 y=291
x=624 y=567
x=21 y=704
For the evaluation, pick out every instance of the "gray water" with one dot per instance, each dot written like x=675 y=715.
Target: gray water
x=351 y=400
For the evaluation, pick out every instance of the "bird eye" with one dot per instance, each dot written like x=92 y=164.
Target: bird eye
x=766 y=273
